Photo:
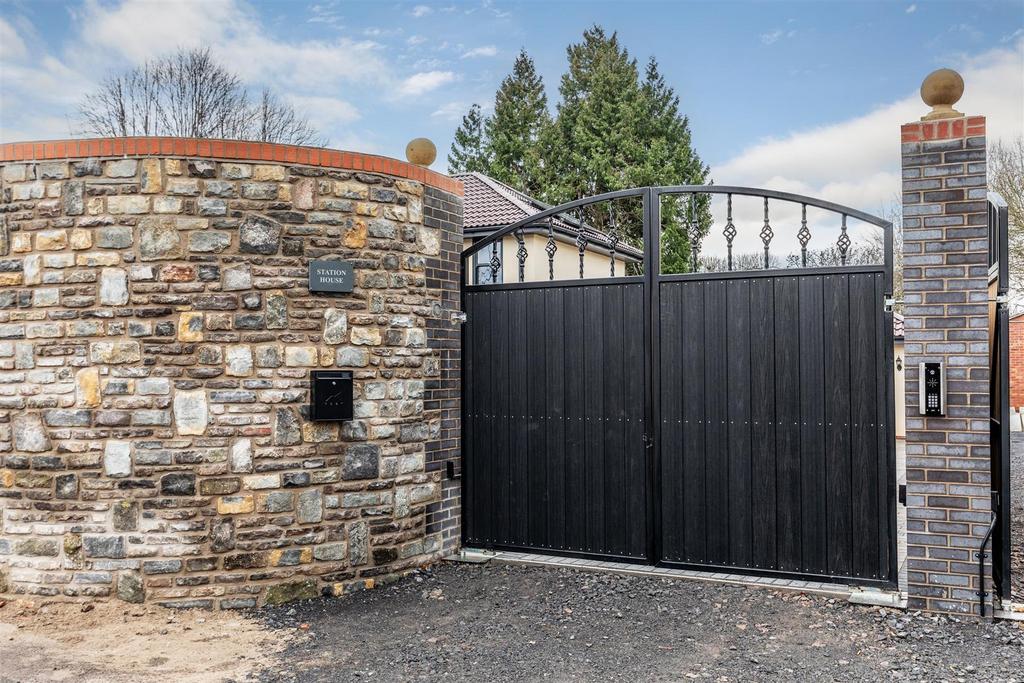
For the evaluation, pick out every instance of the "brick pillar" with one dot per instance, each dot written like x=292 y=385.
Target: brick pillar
x=945 y=250
x=442 y=399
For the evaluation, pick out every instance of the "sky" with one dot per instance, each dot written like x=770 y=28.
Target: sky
x=798 y=96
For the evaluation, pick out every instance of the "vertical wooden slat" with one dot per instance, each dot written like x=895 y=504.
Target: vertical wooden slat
x=519 y=333
x=693 y=391
x=716 y=433
x=738 y=389
x=470 y=389
x=671 y=491
x=864 y=443
x=762 y=391
x=814 y=489
x=555 y=348
x=593 y=398
x=787 y=423
x=837 y=423
x=536 y=438
x=503 y=470
x=635 y=452
x=614 y=376
x=575 y=390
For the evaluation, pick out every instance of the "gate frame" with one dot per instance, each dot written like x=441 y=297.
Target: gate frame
x=651 y=279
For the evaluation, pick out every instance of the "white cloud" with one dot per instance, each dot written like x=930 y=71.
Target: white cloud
x=421 y=11
x=424 y=82
x=11 y=44
x=451 y=111
x=857 y=162
x=415 y=40
x=484 y=51
x=771 y=37
x=325 y=112
x=911 y=9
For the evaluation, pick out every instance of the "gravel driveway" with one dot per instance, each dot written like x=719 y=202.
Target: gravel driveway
x=510 y=623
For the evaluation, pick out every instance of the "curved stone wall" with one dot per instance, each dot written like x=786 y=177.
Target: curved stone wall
x=156 y=340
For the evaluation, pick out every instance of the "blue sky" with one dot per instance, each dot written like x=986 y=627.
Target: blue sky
x=802 y=96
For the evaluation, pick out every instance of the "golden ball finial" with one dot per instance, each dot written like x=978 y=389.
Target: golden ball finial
x=421 y=152
x=940 y=90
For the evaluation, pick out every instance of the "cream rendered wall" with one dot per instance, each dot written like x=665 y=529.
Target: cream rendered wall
x=566 y=262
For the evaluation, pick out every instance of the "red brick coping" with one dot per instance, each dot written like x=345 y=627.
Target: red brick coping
x=943 y=129
x=233 y=150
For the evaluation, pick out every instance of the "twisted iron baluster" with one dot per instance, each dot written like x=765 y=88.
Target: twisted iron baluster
x=581 y=242
x=843 y=243
x=551 y=248
x=804 y=235
x=766 y=234
x=693 y=230
x=730 y=229
x=495 y=262
x=521 y=254
x=613 y=235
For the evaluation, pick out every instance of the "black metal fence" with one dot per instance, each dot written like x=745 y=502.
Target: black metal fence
x=739 y=420
x=999 y=399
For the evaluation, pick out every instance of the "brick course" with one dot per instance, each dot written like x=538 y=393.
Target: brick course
x=946 y=316
x=1017 y=361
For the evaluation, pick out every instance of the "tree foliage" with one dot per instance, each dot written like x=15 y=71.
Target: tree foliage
x=613 y=129
x=188 y=94
x=513 y=132
x=467 y=152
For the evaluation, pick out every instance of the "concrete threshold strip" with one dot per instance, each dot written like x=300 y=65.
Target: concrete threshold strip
x=854 y=594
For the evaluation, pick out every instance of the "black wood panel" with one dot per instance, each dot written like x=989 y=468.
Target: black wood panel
x=774 y=404
x=555 y=456
x=775 y=454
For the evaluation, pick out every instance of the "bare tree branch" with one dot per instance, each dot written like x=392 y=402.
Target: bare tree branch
x=188 y=94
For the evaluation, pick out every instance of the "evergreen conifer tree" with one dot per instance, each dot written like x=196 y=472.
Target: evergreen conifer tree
x=511 y=135
x=467 y=152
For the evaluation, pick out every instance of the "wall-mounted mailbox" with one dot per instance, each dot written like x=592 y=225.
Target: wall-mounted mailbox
x=330 y=395
x=931 y=385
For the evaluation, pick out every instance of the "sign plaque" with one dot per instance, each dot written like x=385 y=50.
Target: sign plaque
x=330 y=276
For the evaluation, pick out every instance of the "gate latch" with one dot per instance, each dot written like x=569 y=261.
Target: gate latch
x=457 y=317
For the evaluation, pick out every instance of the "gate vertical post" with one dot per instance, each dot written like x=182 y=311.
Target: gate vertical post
x=652 y=332
x=945 y=252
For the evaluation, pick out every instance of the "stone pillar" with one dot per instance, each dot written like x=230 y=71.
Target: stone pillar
x=945 y=252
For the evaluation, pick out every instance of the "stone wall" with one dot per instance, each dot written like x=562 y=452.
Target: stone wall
x=945 y=274
x=156 y=339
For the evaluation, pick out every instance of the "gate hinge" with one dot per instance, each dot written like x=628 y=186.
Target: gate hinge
x=1002 y=300
x=458 y=317
x=890 y=303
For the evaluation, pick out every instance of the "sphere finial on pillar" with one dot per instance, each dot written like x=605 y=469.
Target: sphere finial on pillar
x=940 y=90
x=421 y=152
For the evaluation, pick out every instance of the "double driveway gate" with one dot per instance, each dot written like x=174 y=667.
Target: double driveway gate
x=730 y=421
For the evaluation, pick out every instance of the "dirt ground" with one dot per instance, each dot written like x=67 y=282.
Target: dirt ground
x=461 y=622
x=115 y=643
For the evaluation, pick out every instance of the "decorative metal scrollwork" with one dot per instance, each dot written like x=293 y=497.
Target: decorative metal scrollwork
x=581 y=242
x=495 y=262
x=766 y=234
x=613 y=236
x=843 y=243
x=521 y=254
x=693 y=232
x=730 y=229
x=551 y=248
x=804 y=235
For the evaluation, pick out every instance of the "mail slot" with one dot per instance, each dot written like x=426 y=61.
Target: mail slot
x=330 y=395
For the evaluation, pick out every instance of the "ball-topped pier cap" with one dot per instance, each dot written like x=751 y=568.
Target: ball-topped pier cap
x=421 y=152
x=941 y=89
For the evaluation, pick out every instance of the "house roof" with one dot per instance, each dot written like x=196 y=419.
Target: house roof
x=490 y=205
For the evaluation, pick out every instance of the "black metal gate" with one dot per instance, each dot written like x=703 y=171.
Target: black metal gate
x=999 y=398
x=738 y=421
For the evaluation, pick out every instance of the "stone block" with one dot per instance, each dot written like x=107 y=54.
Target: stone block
x=113 y=287
x=191 y=413
x=178 y=484
x=236 y=505
x=117 y=459
x=310 y=509
x=259 y=235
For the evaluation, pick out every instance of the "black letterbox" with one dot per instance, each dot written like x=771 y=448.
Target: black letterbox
x=330 y=395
